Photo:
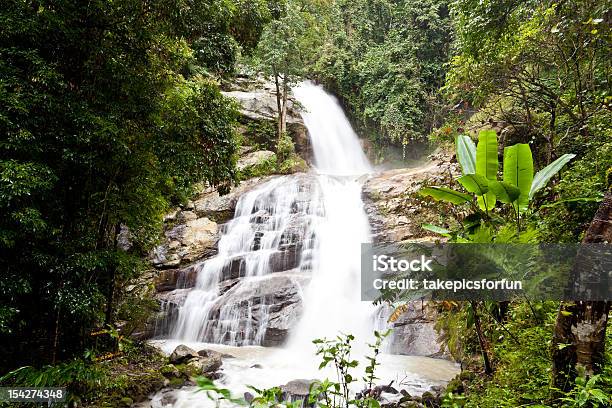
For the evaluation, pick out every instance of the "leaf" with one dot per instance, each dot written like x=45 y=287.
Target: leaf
x=486 y=154
x=518 y=171
x=446 y=194
x=466 y=154
x=436 y=229
x=505 y=192
x=486 y=164
x=401 y=309
x=474 y=183
x=543 y=176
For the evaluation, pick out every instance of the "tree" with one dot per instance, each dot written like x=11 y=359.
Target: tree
x=386 y=61
x=101 y=132
x=282 y=52
x=580 y=331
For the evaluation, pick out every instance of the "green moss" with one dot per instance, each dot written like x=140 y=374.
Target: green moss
x=265 y=167
x=293 y=164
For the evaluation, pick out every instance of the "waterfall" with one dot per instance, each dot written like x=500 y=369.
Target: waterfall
x=332 y=302
x=299 y=231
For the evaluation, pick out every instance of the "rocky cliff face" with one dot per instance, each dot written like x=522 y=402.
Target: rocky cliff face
x=257 y=100
x=396 y=213
x=394 y=207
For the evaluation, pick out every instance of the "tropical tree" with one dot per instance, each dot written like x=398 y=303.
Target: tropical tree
x=284 y=50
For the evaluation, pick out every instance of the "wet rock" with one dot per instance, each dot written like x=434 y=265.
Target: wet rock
x=181 y=354
x=296 y=390
x=273 y=300
x=284 y=260
x=256 y=366
x=220 y=208
x=203 y=366
x=170 y=279
x=169 y=398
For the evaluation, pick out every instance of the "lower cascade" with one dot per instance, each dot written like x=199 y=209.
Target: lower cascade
x=287 y=271
x=290 y=256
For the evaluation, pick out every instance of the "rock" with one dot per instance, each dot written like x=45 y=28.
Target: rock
x=296 y=390
x=254 y=159
x=273 y=298
x=203 y=366
x=213 y=353
x=170 y=279
x=181 y=354
x=256 y=366
x=194 y=239
x=429 y=400
x=220 y=208
x=257 y=100
x=394 y=207
x=414 y=332
x=248 y=397
x=169 y=398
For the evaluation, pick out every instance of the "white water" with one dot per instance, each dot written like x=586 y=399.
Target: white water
x=332 y=302
x=324 y=214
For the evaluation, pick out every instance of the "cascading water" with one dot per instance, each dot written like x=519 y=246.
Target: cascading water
x=296 y=225
x=290 y=260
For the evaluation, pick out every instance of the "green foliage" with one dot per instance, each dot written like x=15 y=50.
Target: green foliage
x=104 y=125
x=540 y=71
x=216 y=393
x=387 y=73
x=466 y=154
x=516 y=189
x=586 y=393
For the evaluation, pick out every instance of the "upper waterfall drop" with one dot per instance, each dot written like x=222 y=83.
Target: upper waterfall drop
x=335 y=145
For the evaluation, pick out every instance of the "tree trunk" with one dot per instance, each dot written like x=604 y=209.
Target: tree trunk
x=484 y=344
x=580 y=330
x=283 y=115
x=279 y=104
x=110 y=296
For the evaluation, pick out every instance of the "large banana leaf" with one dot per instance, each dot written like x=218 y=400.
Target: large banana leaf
x=518 y=171
x=505 y=192
x=543 y=176
x=486 y=164
x=474 y=183
x=466 y=154
x=486 y=154
x=446 y=194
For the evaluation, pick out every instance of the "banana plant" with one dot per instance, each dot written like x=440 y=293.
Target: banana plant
x=479 y=165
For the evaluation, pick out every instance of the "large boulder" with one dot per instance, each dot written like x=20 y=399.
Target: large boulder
x=187 y=242
x=414 y=332
x=181 y=354
x=257 y=100
x=220 y=208
x=251 y=160
x=394 y=207
x=267 y=306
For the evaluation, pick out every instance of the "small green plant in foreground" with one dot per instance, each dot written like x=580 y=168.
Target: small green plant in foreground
x=325 y=393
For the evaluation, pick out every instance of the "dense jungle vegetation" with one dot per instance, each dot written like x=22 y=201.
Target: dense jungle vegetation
x=111 y=112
